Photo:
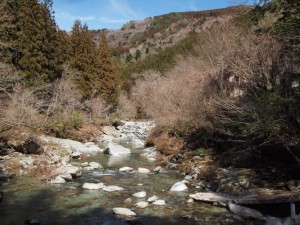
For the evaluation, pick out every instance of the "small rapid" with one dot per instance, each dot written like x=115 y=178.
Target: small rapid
x=29 y=201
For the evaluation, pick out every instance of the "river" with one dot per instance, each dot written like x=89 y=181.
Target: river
x=38 y=202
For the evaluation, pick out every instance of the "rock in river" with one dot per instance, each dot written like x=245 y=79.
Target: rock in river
x=179 y=186
x=141 y=194
x=159 y=202
x=152 y=199
x=126 y=169
x=112 y=188
x=123 y=211
x=93 y=186
x=141 y=205
x=69 y=169
x=143 y=171
x=58 y=180
x=115 y=149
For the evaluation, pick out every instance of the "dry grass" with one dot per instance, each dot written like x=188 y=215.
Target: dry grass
x=56 y=108
x=180 y=99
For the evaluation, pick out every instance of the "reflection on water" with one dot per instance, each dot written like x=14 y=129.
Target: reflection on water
x=70 y=204
x=117 y=160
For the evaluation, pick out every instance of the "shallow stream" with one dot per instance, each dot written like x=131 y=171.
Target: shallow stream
x=28 y=199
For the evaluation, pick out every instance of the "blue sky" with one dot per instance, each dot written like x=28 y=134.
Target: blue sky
x=112 y=14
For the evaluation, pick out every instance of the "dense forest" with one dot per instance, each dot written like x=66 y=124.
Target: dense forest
x=51 y=80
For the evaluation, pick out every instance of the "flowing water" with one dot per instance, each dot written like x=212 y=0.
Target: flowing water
x=28 y=199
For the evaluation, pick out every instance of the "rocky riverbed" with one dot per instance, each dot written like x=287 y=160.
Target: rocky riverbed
x=112 y=180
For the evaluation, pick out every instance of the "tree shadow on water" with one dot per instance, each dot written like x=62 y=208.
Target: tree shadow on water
x=43 y=206
x=15 y=210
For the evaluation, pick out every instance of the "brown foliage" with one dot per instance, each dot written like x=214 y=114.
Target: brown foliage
x=168 y=145
x=180 y=99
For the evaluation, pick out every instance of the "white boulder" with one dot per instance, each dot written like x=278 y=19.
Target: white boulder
x=159 y=202
x=112 y=188
x=141 y=194
x=142 y=205
x=58 y=180
x=126 y=169
x=65 y=170
x=123 y=211
x=152 y=199
x=143 y=171
x=93 y=186
x=179 y=186
x=115 y=149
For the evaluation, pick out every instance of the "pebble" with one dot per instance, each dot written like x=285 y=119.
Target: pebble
x=112 y=188
x=141 y=205
x=159 y=202
x=141 y=194
x=152 y=199
x=143 y=171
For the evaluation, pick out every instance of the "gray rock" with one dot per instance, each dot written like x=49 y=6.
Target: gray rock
x=245 y=212
x=179 y=186
x=126 y=169
x=112 y=188
x=115 y=149
x=111 y=131
x=143 y=171
x=93 y=186
x=188 y=177
x=95 y=165
x=128 y=200
x=141 y=194
x=73 y=146
x=159 y=202
x=69 y=169
x=58 y=180
x=67 y=176
x=137 y=143
x=157 y=169
x=76 y=155
x=123 y=211
x=29 y=144
x=152 y=199
x=142 y=205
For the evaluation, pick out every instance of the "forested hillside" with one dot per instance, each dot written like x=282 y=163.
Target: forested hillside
x=51 y=80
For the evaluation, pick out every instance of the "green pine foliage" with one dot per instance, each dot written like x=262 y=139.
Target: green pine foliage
x=110 y=73
x=83 y=57
x=37 y=46
x=7 y=31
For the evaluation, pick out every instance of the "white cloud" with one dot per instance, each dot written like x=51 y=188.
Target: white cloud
x=193 y=6
x=67 y=16
x=109 y=20
x=122 y=8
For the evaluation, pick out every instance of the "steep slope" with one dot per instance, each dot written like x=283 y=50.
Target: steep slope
x=138 y=39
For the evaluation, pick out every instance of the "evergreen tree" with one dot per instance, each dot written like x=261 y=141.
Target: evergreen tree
x=83 y=57
x=7 y=31
x=110 y=73
x=35 y=40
